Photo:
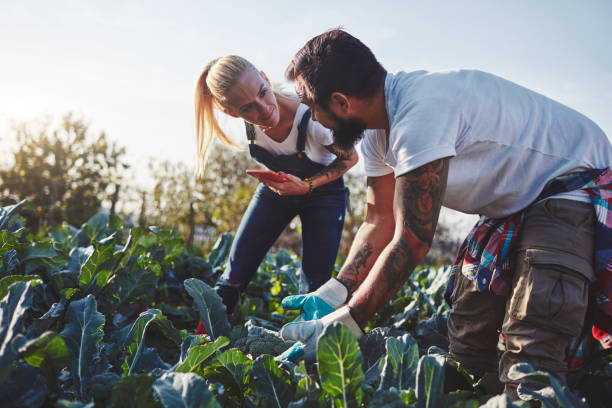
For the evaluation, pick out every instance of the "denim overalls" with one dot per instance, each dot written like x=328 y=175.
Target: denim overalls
x=321 y=214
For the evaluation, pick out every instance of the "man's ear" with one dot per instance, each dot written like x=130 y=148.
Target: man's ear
x=340 y=103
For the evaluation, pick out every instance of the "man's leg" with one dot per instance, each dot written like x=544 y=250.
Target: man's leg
x=473 y=326
x=549 y=298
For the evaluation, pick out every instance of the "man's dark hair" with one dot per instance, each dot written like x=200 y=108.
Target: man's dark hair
x=335 y=61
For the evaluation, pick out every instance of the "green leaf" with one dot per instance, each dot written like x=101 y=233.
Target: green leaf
x=198 y=354
x=340 y=362
x=133 y=291
x=135 y=391
x=49 y=352
x=500 y=401
x=232 y=369
x=98 y=256
x=401 y=363
x=135 y=339
x=7 y=281
x=39 y=250
x=12 y=311
x=82 y=333
x=8 y=212
x=184 y=390
x=211 y=308
x=430 y=382
x=220 y=250
x=271 y=382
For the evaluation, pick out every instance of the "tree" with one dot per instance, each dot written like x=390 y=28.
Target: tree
x=64 y=172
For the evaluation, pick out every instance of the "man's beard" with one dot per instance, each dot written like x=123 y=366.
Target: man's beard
x=347 y=131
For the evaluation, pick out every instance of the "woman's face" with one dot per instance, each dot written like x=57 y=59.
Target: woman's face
x=253 y=100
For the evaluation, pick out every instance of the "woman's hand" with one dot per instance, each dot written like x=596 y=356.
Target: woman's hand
x=293 y=186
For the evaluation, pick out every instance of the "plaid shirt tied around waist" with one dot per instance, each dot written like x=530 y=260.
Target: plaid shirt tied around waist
x=484 y=255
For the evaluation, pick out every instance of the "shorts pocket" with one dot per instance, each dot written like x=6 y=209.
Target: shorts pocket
x=548 y=293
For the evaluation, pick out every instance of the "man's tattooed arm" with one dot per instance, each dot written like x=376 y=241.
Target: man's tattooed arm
x=416 y=205
x=345 y=159
x=373 y=235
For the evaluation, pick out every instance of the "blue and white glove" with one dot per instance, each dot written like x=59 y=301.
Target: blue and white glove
x=306 y=333
x=330 y=296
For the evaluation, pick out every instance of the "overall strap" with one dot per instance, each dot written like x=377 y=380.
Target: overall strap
x=301 y=140
x=250 y=132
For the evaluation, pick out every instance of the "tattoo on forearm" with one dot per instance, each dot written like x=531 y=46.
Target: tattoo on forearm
x=335 y=169
x=354 y=272
x=416 y=205
x=339 y=152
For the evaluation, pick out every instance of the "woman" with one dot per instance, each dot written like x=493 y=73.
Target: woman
x=284 y=138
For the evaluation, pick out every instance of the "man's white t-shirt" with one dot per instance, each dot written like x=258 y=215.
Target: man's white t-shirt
x=317 y=137
x=505 y=140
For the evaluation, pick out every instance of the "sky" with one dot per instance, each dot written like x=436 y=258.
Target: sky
x=129 y=68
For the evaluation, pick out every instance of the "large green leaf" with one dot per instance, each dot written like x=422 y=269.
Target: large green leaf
x=49 y=352
x=401 y=363
x=340 y=362
x=12 y=311
x=430 y=382
x=232 y=369
x=135 y=339
x=133 y=290
x=198 y=354
x=186 y=390
x=500 y=401
x=9 y=280
x=271 y=382
x=211 y=308
x=220 y=250
x=556 y=395
x=101 y=254
x=82 y=334
x=6 y=213
x=135 y=391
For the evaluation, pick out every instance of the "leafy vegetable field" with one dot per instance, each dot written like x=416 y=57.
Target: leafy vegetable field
x=104 y=316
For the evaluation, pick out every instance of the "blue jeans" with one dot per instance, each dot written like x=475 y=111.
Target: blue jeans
x=322 y=217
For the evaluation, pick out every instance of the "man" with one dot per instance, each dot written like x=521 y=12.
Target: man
x=475 y=143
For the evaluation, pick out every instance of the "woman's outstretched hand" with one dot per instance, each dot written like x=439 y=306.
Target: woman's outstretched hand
x=293 y=186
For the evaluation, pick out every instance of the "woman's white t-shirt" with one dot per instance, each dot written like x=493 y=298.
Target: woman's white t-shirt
x=317 y=137
x=505 y=140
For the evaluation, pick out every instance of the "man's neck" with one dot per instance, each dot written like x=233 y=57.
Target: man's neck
x=373 y=111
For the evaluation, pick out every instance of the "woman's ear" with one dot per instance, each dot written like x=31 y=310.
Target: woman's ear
x=265 y=77
x=228 y=111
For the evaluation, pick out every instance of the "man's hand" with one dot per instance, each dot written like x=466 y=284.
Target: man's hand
x=331 y=295
x=306 y=333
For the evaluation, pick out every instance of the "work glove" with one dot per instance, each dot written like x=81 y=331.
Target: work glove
x=306 y=334
x=330 y=296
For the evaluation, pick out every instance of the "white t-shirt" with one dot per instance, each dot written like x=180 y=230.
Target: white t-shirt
x=317 y=137
x=507 y=141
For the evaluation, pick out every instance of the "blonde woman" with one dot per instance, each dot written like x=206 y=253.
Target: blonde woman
x=283 y=137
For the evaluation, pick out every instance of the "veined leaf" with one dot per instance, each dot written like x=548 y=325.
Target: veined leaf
x=212 y=310
x=133 y=290
x=272 y=382
x=500 y=401
x=198 y=354
x=82 y=334
x=49 y=352
x=101 y=254
x=220 y=250
x=401 y=363
x=135 y=339
x=10 y=261
x=184 y=390
x=232 y=369
x=340 y=362
x=135 y=391
x=7 y=281
x=430 y=382
x=6 y=213
x=12 y=311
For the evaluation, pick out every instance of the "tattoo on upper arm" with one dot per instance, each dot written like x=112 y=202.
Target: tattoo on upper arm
x=422 y=195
